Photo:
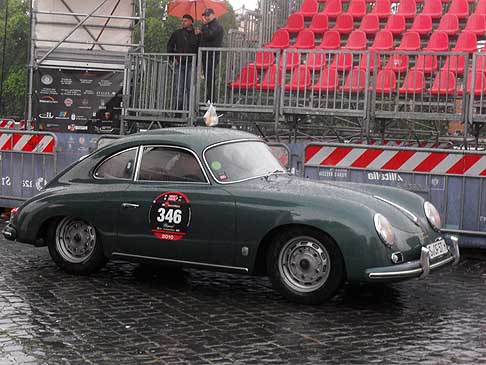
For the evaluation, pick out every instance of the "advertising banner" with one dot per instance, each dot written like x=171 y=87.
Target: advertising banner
x=76 y=101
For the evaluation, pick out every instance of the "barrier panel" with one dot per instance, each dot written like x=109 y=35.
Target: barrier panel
x=27 y=161
x=453 y=180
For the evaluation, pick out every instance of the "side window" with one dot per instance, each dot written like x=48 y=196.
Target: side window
x=119 y=166
x=169 y=164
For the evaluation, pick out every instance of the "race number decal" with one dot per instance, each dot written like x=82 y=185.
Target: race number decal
x=170 y=216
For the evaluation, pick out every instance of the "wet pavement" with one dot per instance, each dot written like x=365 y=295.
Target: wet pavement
x=133 y=314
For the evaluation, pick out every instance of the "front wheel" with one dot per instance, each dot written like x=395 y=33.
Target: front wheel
x=305 y=266
x=74 y=246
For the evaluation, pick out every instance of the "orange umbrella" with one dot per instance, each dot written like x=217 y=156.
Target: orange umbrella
x=195 y=8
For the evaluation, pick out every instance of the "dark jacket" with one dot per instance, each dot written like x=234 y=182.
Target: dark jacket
x=211 y=34
x=183 y=40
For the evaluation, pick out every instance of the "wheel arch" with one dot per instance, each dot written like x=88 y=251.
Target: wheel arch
x=260 y=259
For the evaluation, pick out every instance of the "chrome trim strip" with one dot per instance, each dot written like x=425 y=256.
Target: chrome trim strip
x=182 y=261
x=408 y=213
x=229 y=142
x=139 y=164
x=408 y=273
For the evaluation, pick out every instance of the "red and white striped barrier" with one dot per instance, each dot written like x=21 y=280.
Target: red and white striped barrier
x=36 y=143
x=394 y=159
x=7 y=124
x=409 y=143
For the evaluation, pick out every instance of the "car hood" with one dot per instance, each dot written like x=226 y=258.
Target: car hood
x=320 y=194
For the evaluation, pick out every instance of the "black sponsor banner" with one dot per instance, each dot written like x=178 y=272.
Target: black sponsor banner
x=78 y=101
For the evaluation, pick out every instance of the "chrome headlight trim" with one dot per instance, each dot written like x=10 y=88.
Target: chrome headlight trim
x=384 y=229
x=433 y=216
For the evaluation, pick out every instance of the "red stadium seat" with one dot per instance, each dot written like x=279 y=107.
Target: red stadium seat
x=330 y=40
x=356 y=41
x=363 y=62
x=444 y=83
x=395 y=24
x=357 y=8
x=269 y=79
x=370 y=24
x=438 y=42
x=449 y=23
x=328 y=81
x=454 y=64
x=481 y=61
x=316 y=61
x=344 y=23
x=407 y=8
x=280 y=40
x=319 y=23
x=305 y=40
x=264 y=60
x=422 y=24
x=466 y=42
x=247 y=78
x=479 y=84
x=381 y=8
x=386 y=82
x=410 y=42
x=333 y=8
x=480 y=7
x=355 y=81
x=291 y=60
x=397 y=63
x=383 y=41
x=300 y=79
x=295 y=23
x=459 y=8
x=476 y=24
x=426 y=63
x=342 y=62
x=433 y=8
x=414 y=83
x=309 y=8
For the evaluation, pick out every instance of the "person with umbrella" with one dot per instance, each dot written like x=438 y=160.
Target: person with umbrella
x=210 y=35
x=183 y=40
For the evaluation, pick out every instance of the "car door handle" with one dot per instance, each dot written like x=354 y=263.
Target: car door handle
x=130 y=206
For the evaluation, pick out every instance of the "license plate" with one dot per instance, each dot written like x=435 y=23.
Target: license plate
x=437 y=249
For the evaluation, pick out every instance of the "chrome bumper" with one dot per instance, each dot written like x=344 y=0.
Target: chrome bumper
x=420 y=268
x=9 y=233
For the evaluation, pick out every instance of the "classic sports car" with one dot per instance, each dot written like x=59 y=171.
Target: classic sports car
x=219 y=199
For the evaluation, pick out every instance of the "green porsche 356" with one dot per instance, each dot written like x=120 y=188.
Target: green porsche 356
x=219 y=199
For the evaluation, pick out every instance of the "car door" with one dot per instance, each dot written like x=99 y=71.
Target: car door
x=171 y=212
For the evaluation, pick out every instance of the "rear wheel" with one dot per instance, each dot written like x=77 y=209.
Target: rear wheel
x=305 y=266
x=74 y=246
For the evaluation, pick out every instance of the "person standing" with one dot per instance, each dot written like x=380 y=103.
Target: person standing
x=183 y=40
x=210 y=35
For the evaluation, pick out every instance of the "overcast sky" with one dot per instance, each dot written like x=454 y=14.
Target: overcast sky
x=249 y=4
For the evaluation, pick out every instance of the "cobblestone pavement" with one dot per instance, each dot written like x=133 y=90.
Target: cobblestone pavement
x=130 y=314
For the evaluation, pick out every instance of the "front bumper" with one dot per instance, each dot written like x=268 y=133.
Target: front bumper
x=10 y=233
x=419 y=268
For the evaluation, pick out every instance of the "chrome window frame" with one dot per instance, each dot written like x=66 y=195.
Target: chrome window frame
x=139 y=164
x=231 y=142
x=102 y=162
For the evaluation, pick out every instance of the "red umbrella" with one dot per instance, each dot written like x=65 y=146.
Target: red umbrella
x=195 y=8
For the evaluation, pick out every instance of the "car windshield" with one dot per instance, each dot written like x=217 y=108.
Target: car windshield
x=238 y=161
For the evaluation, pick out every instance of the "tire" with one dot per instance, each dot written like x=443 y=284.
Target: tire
x=305 y=266
x=74 y=246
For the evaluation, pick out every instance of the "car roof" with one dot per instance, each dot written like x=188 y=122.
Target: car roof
x=197 y=138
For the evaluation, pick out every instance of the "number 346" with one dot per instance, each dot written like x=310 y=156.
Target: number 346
x=169 y=216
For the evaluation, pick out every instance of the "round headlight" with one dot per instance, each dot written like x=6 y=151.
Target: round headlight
x=384 y=229
x=433 y=216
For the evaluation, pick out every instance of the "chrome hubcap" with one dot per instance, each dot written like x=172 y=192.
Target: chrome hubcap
x=75 y=240
x=304 y=264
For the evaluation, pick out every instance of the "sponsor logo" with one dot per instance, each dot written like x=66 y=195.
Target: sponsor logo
x=66 y=81
x=63 y=115
x=74 y=127
x=105 y=83
x=105 y=93
x=47 y=115
x=40 y=183
x=341 y=173
x=47 y=99
x=384 y=176
x=68 y=102
x=482 y=219
x=47 y=79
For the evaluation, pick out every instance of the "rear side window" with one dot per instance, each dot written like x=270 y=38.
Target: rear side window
x=169 y=164
x=120 y=166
